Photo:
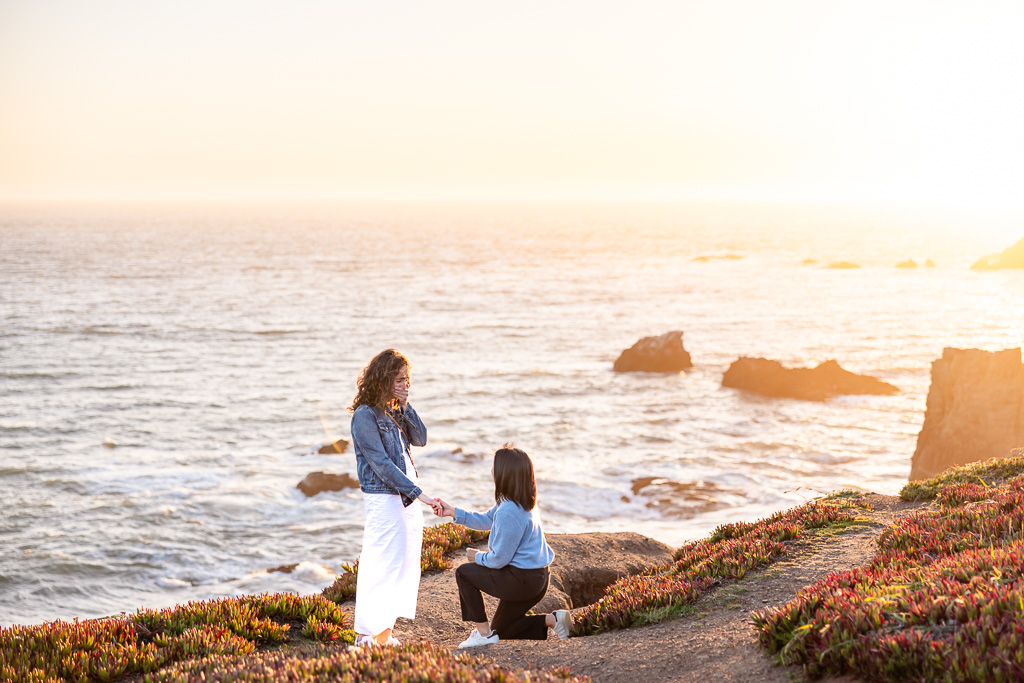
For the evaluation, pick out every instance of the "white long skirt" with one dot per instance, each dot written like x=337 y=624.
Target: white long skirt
x=389 y=566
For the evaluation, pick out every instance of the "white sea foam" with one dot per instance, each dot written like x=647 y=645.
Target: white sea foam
x=312 y=573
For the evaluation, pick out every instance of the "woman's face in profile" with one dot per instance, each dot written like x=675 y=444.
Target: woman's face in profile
x=402 y=382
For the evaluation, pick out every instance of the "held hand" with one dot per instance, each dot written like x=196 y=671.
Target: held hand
x=424 y=498
x=446 y=509
x=471 y=554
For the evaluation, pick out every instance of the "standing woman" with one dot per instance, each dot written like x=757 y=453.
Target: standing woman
x=384 y=426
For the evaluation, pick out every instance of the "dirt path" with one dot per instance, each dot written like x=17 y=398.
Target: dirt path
x=714 y=643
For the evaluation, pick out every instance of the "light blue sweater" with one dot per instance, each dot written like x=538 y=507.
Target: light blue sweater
x=516 y=537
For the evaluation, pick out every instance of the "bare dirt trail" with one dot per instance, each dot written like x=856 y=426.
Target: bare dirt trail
x=715 y=642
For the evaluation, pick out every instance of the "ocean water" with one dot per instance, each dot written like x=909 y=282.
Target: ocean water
x=167 y=373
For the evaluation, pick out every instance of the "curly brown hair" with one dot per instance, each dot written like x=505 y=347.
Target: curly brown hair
x=377 y=380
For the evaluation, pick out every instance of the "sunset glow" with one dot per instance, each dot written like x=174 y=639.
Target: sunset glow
x=912 y=103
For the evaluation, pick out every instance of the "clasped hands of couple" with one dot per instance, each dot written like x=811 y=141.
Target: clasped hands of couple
x=443 y=509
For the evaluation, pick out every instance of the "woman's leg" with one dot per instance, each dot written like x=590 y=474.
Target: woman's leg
x=510 y=619
x=518 y=590
x=472 y=579
x=388 y=566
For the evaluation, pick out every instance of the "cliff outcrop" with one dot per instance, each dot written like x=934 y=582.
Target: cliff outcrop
x=975 y=410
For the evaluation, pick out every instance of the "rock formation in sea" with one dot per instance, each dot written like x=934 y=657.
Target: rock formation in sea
x=683 y=500
x=843 y=265
x=975 y=410
x=655 y=354
x=929 y=263
x=909 y=263
x=318 y=482
x=339 y=446
x=770 y=378
x=1009 y=258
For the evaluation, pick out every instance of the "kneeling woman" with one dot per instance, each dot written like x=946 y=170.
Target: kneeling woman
x=515 y=568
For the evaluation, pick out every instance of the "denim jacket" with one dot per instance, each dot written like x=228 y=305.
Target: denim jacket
x=380 y=457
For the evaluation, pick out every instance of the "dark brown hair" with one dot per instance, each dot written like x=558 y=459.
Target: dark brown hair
x=513 y=477
x=377 y=380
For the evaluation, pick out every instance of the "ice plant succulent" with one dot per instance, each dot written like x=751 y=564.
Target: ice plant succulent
x=730 y=552
x=110 y=649
x=942 y=599
x=409 y=663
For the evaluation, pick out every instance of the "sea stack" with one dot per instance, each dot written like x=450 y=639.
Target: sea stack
x=975 y=410
x=770 y=378
x=655 y=354
x=1009 y=258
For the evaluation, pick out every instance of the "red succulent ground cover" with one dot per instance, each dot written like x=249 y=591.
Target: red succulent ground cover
x=151 y=640
x=407 y=663
x=437 y=541
x=109 y=649
x=942 y=600
x=730 y=552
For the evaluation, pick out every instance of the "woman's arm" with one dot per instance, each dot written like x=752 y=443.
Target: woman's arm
x=506 y=535
x=481 y=521
x=415 y=430
x=365 y=433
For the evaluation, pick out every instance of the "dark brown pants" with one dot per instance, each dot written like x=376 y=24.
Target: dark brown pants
x=517 y=589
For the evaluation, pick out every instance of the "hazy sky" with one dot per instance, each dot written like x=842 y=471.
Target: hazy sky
x=909 y=102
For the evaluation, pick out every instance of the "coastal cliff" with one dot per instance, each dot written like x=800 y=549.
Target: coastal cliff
x=975 y=410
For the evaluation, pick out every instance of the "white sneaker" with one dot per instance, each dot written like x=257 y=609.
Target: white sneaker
x=362 y=642
x=476 y=640
x=563 y=623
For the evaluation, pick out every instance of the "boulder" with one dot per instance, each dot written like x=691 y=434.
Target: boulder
x=683 y=500
x=655 y=354
x=974 y=412
x=339 y=446
x=586 y=564
x=317 y=482
x=1009 y=258
x=770 y=378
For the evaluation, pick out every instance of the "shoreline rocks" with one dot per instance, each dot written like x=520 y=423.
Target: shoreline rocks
x=339 y=446
x=683 y=500
x=655 y=354
x=974 y=411
x=770 y=378
x=318 y=482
